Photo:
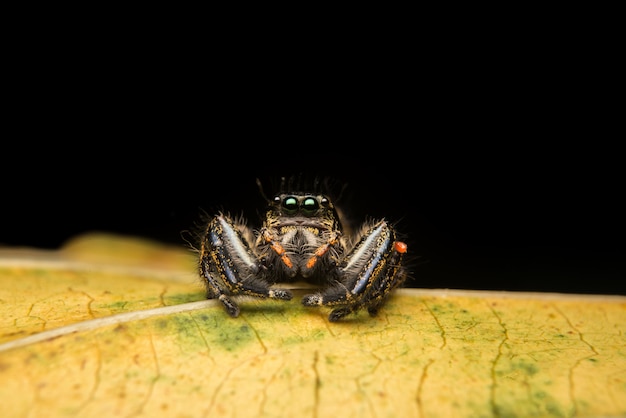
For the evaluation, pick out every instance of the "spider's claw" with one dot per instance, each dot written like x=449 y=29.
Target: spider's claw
x=317 y=299
x=314 y=299
x=281 y=294
x=338 y=313
x=231 y=307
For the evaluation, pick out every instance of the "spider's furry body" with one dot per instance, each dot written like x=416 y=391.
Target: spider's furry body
x=302 y=238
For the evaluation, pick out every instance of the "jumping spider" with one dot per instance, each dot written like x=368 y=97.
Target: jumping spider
x=301 y=238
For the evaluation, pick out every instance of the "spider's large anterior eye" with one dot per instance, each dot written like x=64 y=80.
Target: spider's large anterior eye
x=310 y=204
x=290 y=203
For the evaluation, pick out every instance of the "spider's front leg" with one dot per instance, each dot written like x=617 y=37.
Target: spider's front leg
x=368 y=274
x=229 y=267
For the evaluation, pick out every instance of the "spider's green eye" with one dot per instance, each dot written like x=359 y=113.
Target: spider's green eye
x=290 y=203
x=310 y=204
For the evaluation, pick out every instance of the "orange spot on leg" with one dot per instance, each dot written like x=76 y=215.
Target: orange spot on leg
x=318 y=253
x=322 y=250
x=311 y=262
x=286 y=260
x=278 y=249
x=400 y=247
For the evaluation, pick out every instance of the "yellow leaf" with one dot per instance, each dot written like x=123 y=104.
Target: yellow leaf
x=117 y=326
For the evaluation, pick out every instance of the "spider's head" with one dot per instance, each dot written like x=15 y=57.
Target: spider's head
x=303 y=204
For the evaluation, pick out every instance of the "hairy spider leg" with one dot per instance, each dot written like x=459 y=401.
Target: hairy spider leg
x=215 y=289
x=382 y=274
x=371 y=270
x=229 y=267
x=319 y=253
x=277 y=248
x=395 y=276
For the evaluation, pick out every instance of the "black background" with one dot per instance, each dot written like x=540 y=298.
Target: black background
x=499 y=162
x=502 y=215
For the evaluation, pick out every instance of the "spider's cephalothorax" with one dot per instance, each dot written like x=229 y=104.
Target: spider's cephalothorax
x=302 y=239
